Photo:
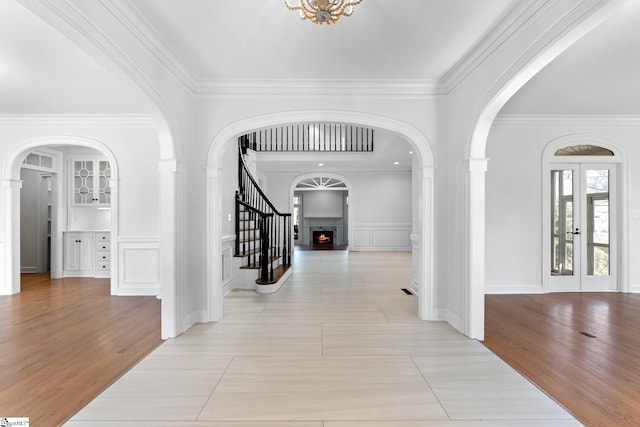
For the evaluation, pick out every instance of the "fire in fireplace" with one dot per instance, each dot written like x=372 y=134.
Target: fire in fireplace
x=322 y=238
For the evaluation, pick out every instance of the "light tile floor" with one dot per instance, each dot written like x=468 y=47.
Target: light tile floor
x=340 y=345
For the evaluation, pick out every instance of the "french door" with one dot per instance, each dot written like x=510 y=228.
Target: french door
x=583 y=227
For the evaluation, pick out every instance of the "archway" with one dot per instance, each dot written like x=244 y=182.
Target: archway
x=12 y=184
x=423 y=197
x=344 y=185
x=538 y=56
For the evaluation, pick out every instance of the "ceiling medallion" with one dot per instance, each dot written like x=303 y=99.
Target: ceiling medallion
x=321 y=11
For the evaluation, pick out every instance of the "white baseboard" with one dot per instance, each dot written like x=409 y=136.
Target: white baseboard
x=28 y=270
x=634 y=289
x=455 y=321
x=512 y=289
x=198 y=316
x=133 y=291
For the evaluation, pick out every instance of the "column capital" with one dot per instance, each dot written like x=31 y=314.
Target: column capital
x=170 y=165
x=476 y=164
x=14 y=184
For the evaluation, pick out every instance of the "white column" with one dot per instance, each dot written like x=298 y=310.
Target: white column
x=474 y=245
x=214 y=246
x=425 y=257
x=170 y=265
x=11 y=237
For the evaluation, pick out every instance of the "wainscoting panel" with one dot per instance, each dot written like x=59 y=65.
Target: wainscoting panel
x=139 y=266
x=382 y=237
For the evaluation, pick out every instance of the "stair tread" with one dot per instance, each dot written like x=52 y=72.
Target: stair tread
x=278 y=272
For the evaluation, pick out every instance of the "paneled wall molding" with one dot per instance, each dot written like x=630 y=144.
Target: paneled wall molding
x=381 y=237
x=139 y=265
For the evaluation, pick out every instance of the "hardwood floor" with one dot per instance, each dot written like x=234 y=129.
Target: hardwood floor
x=595 y=378
x=64 y=341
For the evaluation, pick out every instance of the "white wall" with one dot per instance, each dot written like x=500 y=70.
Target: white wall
x=514 y=197
x=380 y=205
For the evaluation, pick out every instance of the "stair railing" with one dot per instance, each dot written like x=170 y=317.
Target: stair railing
x=272 y=226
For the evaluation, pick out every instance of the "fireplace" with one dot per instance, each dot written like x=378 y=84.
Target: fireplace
x=322 y=238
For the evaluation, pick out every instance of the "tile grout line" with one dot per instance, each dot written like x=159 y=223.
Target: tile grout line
x=214 y=388
x=430 y=388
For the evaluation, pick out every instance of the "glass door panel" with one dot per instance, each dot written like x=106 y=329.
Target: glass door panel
x=598 y=222
x=562 y=211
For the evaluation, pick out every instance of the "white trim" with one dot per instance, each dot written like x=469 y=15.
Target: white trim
x=513 y=289
x=620 y=157
x=318 y=88
x=423 y=159
x=11 y=172
x=584 y=121
x=514 y=21
x=75 y=121
x=348 y=188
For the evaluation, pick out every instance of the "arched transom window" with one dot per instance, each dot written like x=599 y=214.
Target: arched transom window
x=320 y=183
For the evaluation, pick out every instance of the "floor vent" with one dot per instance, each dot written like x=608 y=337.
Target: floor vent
x=407 y=291
x=587 y=334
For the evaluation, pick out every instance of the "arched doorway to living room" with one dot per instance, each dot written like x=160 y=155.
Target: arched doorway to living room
x=422 y=197
x=93 y=188
x=322 y=209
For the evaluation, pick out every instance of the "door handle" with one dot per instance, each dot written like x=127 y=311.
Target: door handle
x=577 y=231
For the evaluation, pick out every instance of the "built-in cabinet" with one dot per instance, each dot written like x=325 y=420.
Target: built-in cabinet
x=87 y=254
x=103 y=254
x=90 y=182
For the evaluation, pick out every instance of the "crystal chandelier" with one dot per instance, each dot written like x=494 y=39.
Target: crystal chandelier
x=321 y=11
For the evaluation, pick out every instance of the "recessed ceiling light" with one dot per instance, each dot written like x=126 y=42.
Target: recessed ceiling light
x=396 y=163
x=320 y=164
x=410 y=152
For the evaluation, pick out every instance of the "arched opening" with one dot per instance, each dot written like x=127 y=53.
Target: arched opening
x=331 y=192
x=103 y=214
x=422 y=197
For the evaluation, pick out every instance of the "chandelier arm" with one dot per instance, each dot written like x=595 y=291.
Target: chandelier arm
x=321 y=11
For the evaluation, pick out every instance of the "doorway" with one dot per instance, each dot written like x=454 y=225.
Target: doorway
x=583 y=225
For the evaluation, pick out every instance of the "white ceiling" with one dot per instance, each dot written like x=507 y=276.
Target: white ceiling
x=42 y=72
x=262 y=39
x=598 y=75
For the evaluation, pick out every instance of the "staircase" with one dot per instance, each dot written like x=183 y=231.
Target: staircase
x=263 y=234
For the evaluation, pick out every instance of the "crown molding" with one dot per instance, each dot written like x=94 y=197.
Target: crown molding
x=512 y=22
x=567 y=120
x=380 y=88
x=130 y=18
x=77 y=120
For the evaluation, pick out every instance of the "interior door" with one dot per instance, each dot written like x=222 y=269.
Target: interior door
x=583 y=227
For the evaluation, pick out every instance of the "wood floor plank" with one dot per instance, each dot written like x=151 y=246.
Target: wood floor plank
x=596 y=379
x=65 y=341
